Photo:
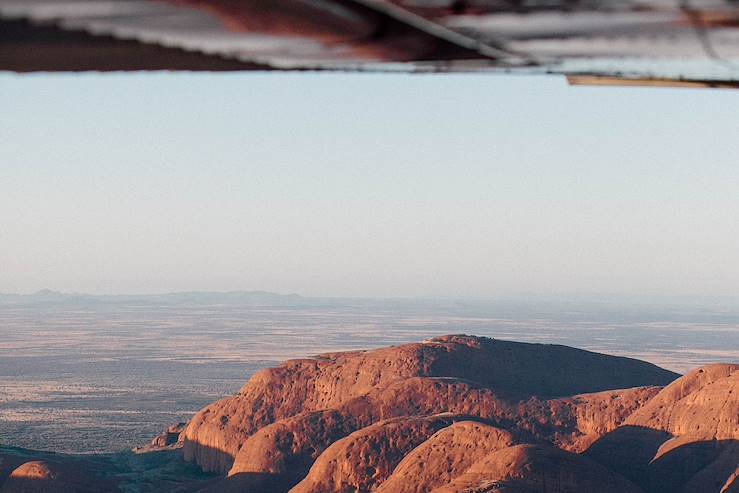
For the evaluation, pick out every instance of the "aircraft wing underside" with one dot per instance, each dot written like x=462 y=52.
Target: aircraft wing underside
x=659 y=42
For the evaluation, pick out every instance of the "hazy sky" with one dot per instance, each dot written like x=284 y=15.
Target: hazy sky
x=366 y=185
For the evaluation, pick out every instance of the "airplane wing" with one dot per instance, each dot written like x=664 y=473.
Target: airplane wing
x=627 y=42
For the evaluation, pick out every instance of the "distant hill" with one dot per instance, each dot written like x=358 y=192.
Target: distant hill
x=247 y=298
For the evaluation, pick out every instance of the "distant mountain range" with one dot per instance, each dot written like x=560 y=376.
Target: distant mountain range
x=254 y=298
x=518 y=305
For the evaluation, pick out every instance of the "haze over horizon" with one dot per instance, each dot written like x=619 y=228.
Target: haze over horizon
x=729 y=302
x=477 y=186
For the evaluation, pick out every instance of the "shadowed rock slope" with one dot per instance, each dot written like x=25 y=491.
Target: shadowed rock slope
x=685 y=439
x=417 y=417
x=23 y=470
x=54 y=477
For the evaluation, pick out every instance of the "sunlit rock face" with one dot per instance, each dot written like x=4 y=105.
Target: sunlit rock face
x=365 y=458
x=537 y=468
x=446 y=455
x=501 y=372
x=361 y=421
x=703 y=404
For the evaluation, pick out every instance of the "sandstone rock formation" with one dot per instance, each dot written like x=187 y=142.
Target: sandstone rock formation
x=169 y=439
x=704 y=404
x=537 y=468
x=54 y=477
x=8 y=463
x=685 y=439
x=366 y=458
x=467 y=414
x=502 y=372
x=280 y=454
x=444 y=456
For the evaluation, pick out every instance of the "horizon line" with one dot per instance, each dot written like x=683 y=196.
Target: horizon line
x=513 y=297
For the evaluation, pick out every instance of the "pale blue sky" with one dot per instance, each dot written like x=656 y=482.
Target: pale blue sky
x=366 y=185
